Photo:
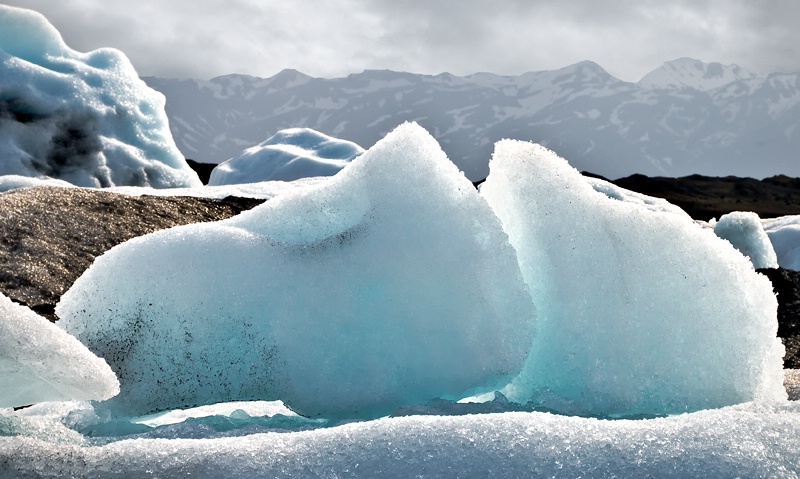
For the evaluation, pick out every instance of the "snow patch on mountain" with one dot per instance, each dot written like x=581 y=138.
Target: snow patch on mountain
x=694 y=74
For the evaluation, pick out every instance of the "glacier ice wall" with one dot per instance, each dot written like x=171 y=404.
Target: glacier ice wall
x=640 y=311
x=389 y=284
x=743 y=229
x=85 y=118
x=288 y=155
x=40 y=362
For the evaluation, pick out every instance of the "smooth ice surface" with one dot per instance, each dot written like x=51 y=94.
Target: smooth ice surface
x=287 y=155
x=749 y=440
x=784 y=233
x=640 y=311
x=389 y=284
x=40 y=362
x=85 y=118
x=746 y=233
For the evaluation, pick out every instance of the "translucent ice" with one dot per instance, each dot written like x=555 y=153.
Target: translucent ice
x=745 y=232
x=85 y=118
x=784 y=234
x=287 y=155
x=389 y=284
x=640 y=311
x=40 y=362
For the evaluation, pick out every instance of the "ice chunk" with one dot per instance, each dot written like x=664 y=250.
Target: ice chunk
x=640 y=312
x=389 y=284
x=287 y=155
x=85 y=118
x=39 y=362
x=784 y=234
x=744 y=231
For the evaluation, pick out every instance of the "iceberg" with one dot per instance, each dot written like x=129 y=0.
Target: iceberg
x=640 y=311
x=288 y=155
x=390 y=284
x=40 y=362
x=746 y=233
x=85 y=118
x=784 y=234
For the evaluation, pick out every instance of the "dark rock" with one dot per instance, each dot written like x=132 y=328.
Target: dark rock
x=51 y=235
x=786 y=284
x=203 y=170
x=706 y=197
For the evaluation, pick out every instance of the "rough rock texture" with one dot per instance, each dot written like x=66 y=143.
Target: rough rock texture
x=49 y=236
x=786 y=284
x=704 y=197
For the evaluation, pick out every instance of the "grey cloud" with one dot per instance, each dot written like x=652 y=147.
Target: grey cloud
x=205 y=38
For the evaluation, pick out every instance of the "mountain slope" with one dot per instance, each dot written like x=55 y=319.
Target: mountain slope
x=684 y=118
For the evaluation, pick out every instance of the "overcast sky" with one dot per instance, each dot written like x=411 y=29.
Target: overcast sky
x=332 y=38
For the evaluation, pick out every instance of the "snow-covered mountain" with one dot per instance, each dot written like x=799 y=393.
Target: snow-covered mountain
x=685 y=117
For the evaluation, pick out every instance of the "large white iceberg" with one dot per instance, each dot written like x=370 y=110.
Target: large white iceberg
x=640 y=311
x=85 y=118
x=287 y=155
x=390 y=284
x=40 y=362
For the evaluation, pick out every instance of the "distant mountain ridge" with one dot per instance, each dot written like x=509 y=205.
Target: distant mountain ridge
x=686 y=117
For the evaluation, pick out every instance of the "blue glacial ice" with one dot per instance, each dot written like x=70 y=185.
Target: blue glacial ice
x=40 y=362
x=85 y=118
x=389 y=284
x=640 y=311
x=286 y=156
